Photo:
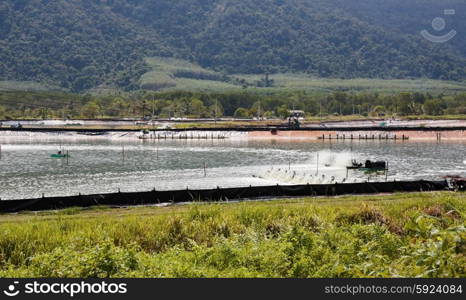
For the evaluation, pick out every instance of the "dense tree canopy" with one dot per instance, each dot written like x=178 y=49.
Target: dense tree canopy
x=82 y=44
x=239 y=104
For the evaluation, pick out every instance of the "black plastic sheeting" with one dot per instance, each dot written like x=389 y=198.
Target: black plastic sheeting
x=219 y=194
x=239 y=129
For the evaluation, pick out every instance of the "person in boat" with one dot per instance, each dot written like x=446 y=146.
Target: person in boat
x=59 y=152
x=354 y=163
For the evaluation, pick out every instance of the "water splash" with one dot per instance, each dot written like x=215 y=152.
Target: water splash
x=323 y=167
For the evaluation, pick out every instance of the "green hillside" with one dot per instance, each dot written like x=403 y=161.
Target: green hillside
x=81 y=45
x=169 y=74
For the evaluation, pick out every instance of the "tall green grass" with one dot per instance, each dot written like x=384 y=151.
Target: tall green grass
x=404 y=235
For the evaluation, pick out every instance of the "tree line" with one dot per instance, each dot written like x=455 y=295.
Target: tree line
x=45 y=105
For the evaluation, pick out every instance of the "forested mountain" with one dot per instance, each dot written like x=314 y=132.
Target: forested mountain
x=411 y=16
x=81 y=44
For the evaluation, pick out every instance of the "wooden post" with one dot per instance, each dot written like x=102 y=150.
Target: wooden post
x=205 y=169
x=317 y=173
x=386 y=171
x=67 y=157
x=123 y=153
x=0 y=151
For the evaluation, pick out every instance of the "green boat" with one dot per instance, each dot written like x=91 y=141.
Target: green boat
x=59 y=155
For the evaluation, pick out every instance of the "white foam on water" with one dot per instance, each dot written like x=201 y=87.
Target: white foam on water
x=322 y=168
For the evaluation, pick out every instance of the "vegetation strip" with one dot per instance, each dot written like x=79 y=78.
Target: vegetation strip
x=399 y=235
x=241 y=105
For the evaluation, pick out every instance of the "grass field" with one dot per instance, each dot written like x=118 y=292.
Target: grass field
x=400 y=235
x=170 y=74
x=176 y=74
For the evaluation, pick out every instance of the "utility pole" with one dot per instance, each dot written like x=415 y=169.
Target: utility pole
x=317 y=171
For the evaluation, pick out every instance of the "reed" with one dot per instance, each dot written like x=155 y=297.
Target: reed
x=418 y=234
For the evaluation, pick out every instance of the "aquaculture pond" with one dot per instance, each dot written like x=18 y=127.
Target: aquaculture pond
x=100 y=165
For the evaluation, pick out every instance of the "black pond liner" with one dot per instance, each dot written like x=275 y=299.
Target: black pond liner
x=242 y=129
x=218 y=194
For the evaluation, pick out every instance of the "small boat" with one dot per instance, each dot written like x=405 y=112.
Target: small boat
x=58 y=155
x=354 y=165
x=368 y=166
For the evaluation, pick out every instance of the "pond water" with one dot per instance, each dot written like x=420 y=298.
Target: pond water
x=104 y=166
